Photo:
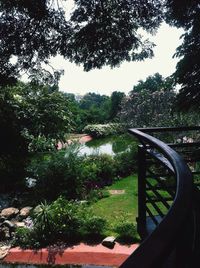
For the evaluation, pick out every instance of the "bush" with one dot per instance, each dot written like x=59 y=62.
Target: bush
x=126 y=231
x=103 y=130
x=26 y=238
x=98 y=171
x=94 y=226
x=58 y=174
x=60 y=221
x=125 y=162
x=68 y=217
x=73 y=176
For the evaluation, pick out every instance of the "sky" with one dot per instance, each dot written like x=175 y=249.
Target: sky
x=123 y=78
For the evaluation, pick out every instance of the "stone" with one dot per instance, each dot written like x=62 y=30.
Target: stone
x=24 y=212
x=109 y=242
x=9 y=213
x=4 y=251
x=9 y=227
x=19 y=224
x=116 y=192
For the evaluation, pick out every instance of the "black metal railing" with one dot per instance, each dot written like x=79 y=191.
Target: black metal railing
x=168 y=201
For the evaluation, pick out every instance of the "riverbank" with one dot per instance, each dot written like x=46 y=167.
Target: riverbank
x=81 y=138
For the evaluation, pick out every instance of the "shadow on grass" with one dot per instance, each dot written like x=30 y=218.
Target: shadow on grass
x=127 y=240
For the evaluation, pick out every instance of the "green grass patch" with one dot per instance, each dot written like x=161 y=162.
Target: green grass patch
x=118 y=207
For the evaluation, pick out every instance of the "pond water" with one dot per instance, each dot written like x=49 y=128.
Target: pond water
x=110 y=145
x=45 y=266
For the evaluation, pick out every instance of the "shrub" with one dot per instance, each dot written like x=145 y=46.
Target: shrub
x=26 y=238
x=43 y=221
x=67 y=218
x=126 y=231
x=125 y=162
x=94 y=226
x=60 y=221
x=104 y=129
x=58 y=174
x=98 y=171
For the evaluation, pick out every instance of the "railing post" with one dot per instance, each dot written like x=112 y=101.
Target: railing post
x=141 y=220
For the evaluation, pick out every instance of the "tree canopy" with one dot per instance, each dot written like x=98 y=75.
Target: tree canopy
x=186 y=14
x=95 y=34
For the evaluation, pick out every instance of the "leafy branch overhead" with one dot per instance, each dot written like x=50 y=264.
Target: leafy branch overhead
x=96 y=33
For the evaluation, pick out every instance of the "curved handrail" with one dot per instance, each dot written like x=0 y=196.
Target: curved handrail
x=157 y=246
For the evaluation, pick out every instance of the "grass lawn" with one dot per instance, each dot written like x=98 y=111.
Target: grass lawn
x=118 y=207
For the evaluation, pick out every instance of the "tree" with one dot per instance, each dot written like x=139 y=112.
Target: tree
x=186 y=14
x=116 y=99
x=95 y=108
x=28 y=114
x=146 y=108
x=97 y=33
x=154 y=83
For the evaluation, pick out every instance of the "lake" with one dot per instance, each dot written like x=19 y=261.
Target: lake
x=111 y=145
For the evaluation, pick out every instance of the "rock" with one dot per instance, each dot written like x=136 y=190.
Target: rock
x=2 y=219
x=9 y=213
x=19 y=224
x=24 y=212
x=4 y=251
x=109 y=242
x=8 y=225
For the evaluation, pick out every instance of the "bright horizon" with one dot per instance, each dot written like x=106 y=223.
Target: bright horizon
x=106 y=80
x=123 y=78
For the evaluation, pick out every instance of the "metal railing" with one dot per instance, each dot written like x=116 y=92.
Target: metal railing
x=167 y=213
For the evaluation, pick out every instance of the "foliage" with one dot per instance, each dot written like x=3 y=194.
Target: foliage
x=154 y=83
x=186 y=14
x=148 y=109
x=126 y=231
x=79 y=177
x=60 y=221
x=58 y=174
x=97 y=171
x=32 y=118
x=83 y=38
x=104 y=130
x=26 y=238
x=116 y=99
x=125 y=162
x=42 y=111
x=94 y=226
x=94 y=108
x=145 y=107
x=96 y=34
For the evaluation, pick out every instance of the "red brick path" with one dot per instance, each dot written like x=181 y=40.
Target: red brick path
x=79 y=254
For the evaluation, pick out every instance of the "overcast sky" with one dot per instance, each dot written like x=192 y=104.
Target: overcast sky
x=106 y=80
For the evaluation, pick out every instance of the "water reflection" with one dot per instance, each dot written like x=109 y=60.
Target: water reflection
x=110 y=145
